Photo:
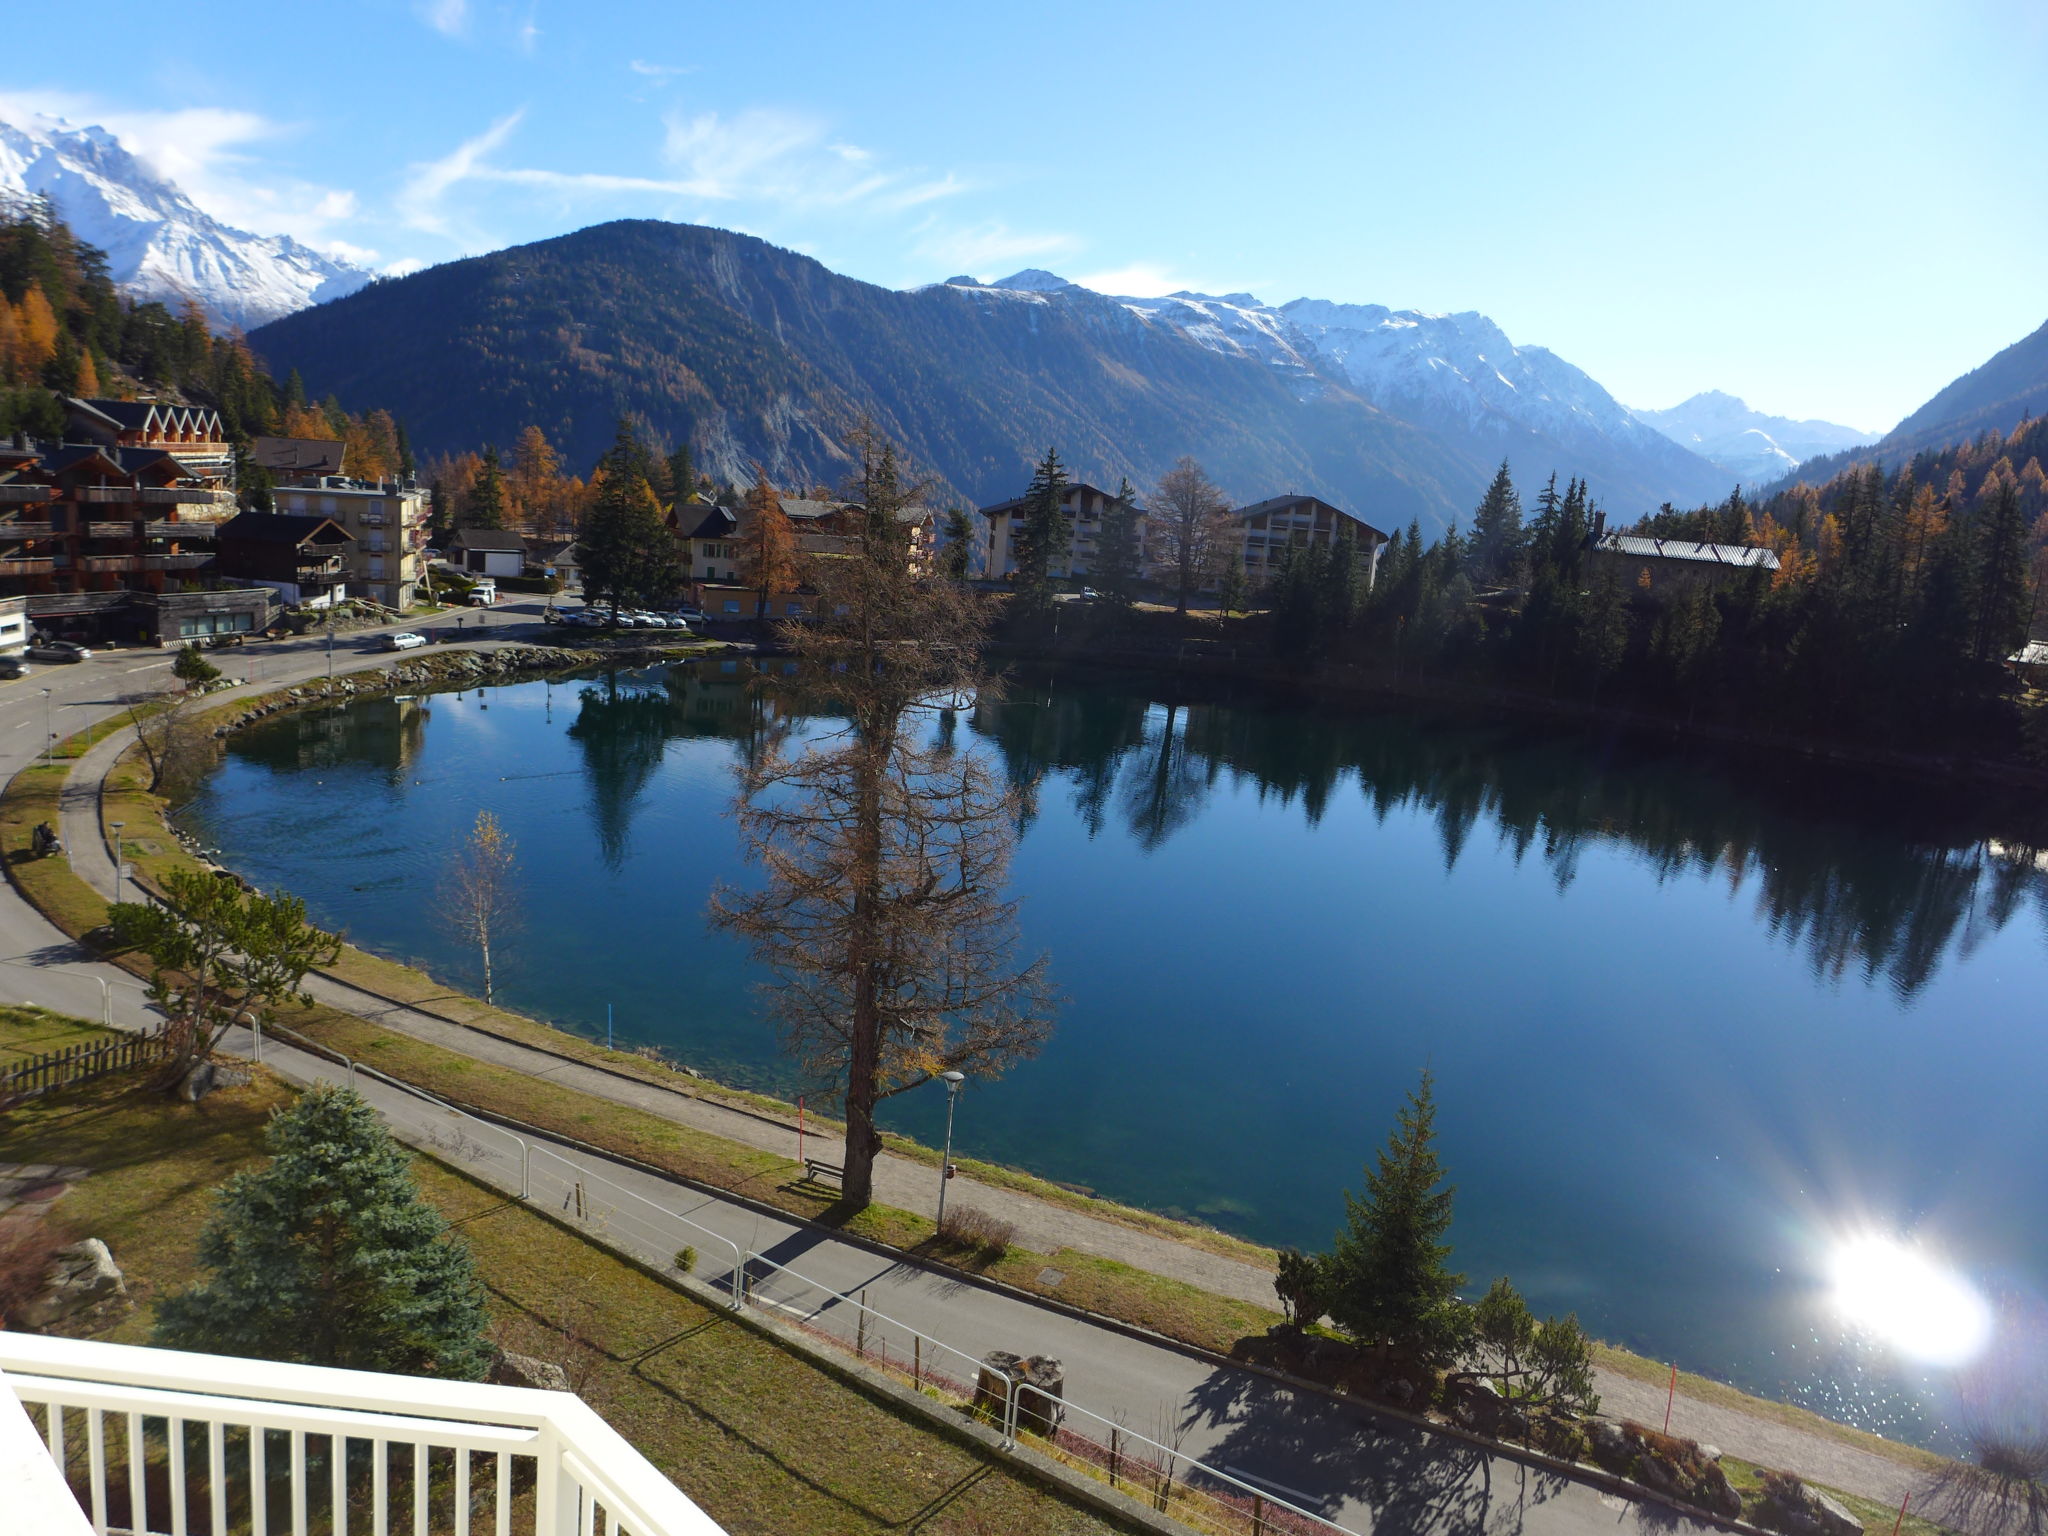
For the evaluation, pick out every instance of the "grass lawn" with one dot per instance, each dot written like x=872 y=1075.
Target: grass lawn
x=762 y=1439
x=30 y=1031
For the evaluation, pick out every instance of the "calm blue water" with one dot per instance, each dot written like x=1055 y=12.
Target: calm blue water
x=1691 y=1023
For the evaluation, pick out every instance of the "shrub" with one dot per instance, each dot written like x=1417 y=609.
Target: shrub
x=26 y=1247
x=686 y=1259
x=966 y=1227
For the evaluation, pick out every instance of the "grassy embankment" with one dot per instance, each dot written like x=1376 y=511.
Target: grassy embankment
x=763 y=1439
x=1171 y=1307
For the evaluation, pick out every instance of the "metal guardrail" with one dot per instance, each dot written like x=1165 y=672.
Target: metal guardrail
x=1209 y=1498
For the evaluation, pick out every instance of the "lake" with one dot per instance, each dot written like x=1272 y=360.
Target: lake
x=1698 y=1026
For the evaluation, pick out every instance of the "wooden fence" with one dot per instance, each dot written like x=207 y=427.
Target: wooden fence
x=38 y=1075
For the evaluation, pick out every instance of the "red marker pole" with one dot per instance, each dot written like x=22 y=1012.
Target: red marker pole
x=1672 y=1397
x=799 y=1127
x=1902 y=1512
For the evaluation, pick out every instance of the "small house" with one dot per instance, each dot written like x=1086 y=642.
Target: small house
x=488 y=551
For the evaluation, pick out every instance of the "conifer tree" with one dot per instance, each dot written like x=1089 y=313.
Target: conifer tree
x=1233 y=593
x=682 y=474
x=486 y=507
x=768 y=560
x=330 y=1256
x=1392 y=1284
x=1120 y=549
x=1495 y=553
x=2005 y=606
x=628 y=553
x=1045 y=537
x=956 y=546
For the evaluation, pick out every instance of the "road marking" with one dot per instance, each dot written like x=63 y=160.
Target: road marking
x=154 y=665
x=1304 y=1499
x=23 y=723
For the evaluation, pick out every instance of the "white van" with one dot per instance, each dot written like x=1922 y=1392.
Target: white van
x=483 y=593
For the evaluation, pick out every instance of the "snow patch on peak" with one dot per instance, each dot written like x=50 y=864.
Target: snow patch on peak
x=1033 y=280
x=159 y=243
x=1754 y=447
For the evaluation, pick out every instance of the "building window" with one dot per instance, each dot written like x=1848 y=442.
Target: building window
x=732 y=605
x=794 y=610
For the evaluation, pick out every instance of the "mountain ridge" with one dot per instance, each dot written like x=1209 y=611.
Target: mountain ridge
x=1754 y=446
x=159 y=243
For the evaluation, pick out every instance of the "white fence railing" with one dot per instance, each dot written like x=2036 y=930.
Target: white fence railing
x=155 y=1440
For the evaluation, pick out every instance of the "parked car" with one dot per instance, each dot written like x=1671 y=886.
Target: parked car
x=691 y=616
x=13 y=666
x=403 y=640
x=59 y=650
x=675 y=621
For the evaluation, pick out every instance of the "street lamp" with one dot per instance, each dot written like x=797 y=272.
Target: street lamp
x=49 y=731
x=952 y=1080
x=117 y=826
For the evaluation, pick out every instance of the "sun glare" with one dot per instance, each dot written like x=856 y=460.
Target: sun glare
x=1902 y=1297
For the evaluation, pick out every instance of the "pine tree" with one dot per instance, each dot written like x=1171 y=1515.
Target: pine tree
x=1234 y=592
x=486 y=507
x=1393 y=1285
x=330 y=1256
x=956 y=547
x=768 y=559
x=1045 y=537
x=628 y=553
x=1496 y=549
x=2005 y=605
x=1120 y=549
x=682 y=474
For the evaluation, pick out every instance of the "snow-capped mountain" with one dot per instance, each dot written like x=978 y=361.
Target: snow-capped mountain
x=1750 y=445
x=1457 y=376
x=159 y=243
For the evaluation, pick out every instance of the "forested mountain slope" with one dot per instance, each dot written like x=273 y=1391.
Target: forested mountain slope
x=750 y=353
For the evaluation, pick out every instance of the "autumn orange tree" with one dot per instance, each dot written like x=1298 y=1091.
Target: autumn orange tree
x=883 y=918
x=769 y=559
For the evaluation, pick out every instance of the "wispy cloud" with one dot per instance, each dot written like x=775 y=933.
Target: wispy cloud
x=767 y=157
x=981 y=248
x=214 y=156
x=662 y=72
x=1142 y=280
x=450 y=18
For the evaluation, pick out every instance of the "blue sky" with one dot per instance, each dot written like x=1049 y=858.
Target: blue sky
x=1828 y=208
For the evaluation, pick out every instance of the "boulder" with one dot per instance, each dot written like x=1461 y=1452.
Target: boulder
x=197 y=1082
x=83 y=1291
x=1038 y=1410
x=509 y=1369
x=1611 y=1446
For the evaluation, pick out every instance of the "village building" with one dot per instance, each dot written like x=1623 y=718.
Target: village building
x=711 y=545
x=386 y=518
x=1267 y=529
x=1082 y=505
x=1660 y=568
x=304 y=559
x=490 y=552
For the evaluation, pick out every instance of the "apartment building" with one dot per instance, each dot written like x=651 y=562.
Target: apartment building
x=711 y=540
x=1267 y=528
x=1083 y=506
x=387 y=519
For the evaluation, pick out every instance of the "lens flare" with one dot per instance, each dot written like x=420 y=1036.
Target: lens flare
x=1902 y=1297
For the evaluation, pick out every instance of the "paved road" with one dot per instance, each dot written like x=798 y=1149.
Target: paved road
x=1328 y=1457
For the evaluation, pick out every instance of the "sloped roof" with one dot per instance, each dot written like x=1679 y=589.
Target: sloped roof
x=1637 y=546
x=1072 y=492
x=1292 y=502
x=281 y=528
x=502 y=540
x=708 y=522
x=298 y=455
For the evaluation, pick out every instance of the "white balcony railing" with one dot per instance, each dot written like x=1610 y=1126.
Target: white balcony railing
x=147 y=1439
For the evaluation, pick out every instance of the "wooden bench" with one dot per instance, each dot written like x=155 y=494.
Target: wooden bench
x=818 y=1171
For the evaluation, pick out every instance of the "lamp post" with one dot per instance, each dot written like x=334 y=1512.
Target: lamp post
x=49 y=731
x=117 y=826
x=952 y=1080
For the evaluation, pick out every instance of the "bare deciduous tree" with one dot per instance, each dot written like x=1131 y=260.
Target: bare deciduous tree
x=176 y=748
x=480 y=890
x=1191 y=522
x=884 y=918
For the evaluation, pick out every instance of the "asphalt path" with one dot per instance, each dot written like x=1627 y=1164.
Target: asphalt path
x=1365 y=1474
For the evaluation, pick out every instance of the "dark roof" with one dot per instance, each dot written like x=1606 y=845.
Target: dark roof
x=561 y=551
x=280 y=528
x=134 y=415
x=1073 y=490
x=69 y=455
x=503 y=539
x=1292 y=500
x=713 y=523
x=297 y=455
x=1638 y=547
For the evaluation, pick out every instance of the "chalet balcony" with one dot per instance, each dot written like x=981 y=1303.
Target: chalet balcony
x=12 y=494
x=26 y=530
x=104 y=493
x=181 y=562
x=111 y=1437
x=192 y=530
x=105 y=529
x=41 y=567
x=197 y=496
